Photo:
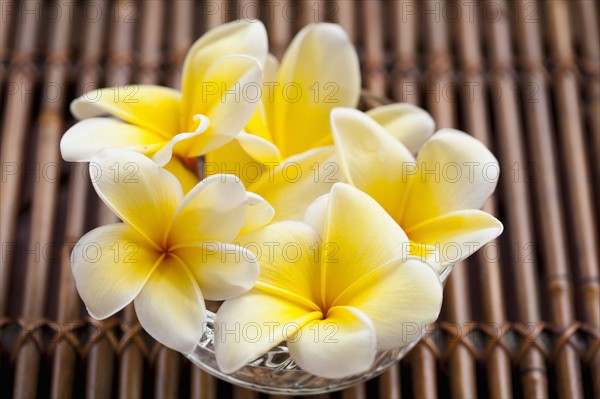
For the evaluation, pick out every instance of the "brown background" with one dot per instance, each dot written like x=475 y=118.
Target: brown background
x=521 y=318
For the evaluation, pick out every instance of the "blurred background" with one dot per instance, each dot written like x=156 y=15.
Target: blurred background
x=521 y=318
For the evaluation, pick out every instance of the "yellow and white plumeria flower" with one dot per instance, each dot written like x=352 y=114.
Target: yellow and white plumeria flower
x=335 y=295
x=171 y=251
x=436 y=197
x=221 y=84
x=284 y=153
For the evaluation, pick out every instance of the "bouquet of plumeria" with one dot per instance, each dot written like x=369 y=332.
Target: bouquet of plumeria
x=261 y=185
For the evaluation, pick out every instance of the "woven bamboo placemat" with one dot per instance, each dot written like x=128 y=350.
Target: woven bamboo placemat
x=521 y=318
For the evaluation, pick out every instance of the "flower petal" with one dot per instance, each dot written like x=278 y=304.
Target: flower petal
x=186 y=177
x=214 y=210
x=409 y=124
x=258 y=148
x=400 y=299
x=271 y=68
x=232 y=158
x=359 y=238
x=288 y=253
x=456 y=235
x=427 y=253
x=154 y=108
x=339 y=346
x=231 y=92
x=316 y=214
x=258 y=214
x=242 y=37
x=454 y=171
x=371 y=159
x=243 y=156
x=170 y=307
x=181 y=141
x=249 y=325
x=222 y=270
x=110 y=265
x=297 y=181
x=259 y=124
x=319 y=71
x=87 y=137
x=137 y=190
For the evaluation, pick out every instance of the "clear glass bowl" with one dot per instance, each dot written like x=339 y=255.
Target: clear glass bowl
x=276 y=373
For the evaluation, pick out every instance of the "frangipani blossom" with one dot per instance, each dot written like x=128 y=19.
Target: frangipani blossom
x=220 y=73
x=436 y=197
x=290 y=127
x=336 y=296
x=171 y=251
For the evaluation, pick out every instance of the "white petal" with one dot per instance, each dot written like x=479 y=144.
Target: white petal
x=154 y=108
x=400 y=299
x=258 y=213
x=454 y=172
x=214 y=210
x=319 y=71
x=170 y=307
x=87 y=137
x=251 y=324
x=338 y=346
x=316 y=214
x=456 y=235
x=359 y=238
x=163 y=156
x=137 y=190
x=409 y=124
x=232 y=91
x=289 y=254
x=371 y=159
x=258 y=148
x=110 y=265
x=245 y=156
x=297 y=181
x=271 y=68
x=259 y=124
x=222 y=270
x=239 y=37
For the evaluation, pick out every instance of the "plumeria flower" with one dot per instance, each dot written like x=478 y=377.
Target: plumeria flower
x=171 y=251
x=436 y=197
x=285 y=152
x=337 y=294
x=221 y=75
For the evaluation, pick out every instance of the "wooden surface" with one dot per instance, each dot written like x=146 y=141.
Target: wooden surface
x=521 y=318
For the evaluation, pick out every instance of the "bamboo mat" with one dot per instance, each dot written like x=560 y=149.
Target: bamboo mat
x=521 y=318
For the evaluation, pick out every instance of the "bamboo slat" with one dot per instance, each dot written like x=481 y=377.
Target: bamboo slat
x=22 y=78
x=101 y=356
x=42 y=234
x=521 y=76
x=441 y=97
x=578 y=197
x=519 y=231
x=472 y=82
